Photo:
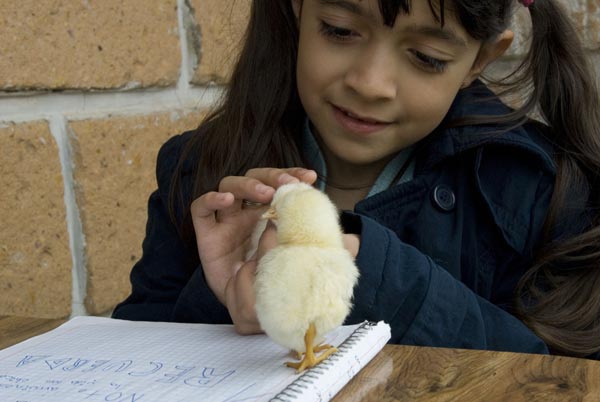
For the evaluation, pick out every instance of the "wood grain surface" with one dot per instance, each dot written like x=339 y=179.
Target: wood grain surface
x=16 y=329
x=409 y=373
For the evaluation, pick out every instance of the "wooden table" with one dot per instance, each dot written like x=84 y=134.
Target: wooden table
x=408 y=373
x=16 y=329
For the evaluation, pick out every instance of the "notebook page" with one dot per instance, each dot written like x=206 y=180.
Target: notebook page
x=324 y=381
x=102 y=359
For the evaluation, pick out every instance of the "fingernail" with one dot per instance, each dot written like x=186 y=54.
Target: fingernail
x=307 y=172
x=222 y=196
x=261 y=188
x=286 y=178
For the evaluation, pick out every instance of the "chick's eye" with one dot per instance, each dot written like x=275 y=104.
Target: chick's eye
x=338 y=33
x=429 y=63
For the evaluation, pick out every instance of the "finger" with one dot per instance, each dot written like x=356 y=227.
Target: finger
x=352 y=244
x=276 y=177
x=244 y=188
x=304 y=175
x=267 y=241
x=259 y=228
x=247 y=298
x=203 y=208
x=245 y=276
x=241 y=300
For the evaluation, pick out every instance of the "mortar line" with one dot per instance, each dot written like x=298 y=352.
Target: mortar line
x=81 y=105
x=59 y=129
x=183 y=85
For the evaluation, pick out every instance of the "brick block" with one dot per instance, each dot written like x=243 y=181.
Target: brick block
x=222 y=25
x=35 y=259
x=61 y=44
x=114 y=172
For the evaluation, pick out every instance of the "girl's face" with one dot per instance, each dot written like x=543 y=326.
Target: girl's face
x=371 y=90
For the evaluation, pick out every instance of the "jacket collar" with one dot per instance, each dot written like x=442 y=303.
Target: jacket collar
x=479 y=100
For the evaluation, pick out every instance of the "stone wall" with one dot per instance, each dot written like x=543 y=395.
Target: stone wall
x=89 y=90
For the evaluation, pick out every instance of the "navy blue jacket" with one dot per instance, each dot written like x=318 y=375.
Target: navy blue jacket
x=440 y=255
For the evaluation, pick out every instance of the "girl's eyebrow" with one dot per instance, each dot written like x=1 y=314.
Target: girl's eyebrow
x=447 y=35
x=345 y=4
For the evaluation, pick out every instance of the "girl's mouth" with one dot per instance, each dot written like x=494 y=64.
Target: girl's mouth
x=356 y=123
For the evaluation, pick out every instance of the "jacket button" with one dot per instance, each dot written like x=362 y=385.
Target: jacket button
x=444 y=198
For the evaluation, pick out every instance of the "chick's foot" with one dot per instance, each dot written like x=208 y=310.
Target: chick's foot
x=321 y=348
x=316 y=349
x=310 y=359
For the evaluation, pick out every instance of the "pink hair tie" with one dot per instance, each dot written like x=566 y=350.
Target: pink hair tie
x=526 y=3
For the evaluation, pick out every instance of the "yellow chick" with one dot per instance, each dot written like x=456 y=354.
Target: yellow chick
x=304 y=285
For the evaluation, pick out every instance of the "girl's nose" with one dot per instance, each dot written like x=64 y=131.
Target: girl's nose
x=372 y=75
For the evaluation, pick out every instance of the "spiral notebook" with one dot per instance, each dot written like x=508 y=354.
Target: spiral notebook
x=103 y=359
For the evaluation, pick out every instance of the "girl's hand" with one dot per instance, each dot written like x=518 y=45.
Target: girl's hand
x=224 y=227
x=352 y=244
x=239 y=292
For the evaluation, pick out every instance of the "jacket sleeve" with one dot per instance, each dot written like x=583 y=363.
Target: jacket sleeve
x=422 y=302
x=168 y=283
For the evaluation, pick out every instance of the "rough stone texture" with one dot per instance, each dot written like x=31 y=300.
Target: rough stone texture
x=593 y=26
x=63 y=44
x=222 y=25
x=585 y=14
x=35 y=259
x=521 y=26
x=114 y=162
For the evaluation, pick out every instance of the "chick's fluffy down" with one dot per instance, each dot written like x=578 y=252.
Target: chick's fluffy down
x=297 y=285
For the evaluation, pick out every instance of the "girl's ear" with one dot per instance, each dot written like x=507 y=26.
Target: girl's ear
x=487 y=54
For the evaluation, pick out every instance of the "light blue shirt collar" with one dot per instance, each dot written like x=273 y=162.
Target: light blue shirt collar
x=314 y=157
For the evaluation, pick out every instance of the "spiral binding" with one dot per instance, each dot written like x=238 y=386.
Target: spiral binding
x=295 y=389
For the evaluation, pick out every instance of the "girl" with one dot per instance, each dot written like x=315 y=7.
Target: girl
x=472 y=225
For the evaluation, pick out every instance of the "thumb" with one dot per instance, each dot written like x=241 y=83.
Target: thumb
x=268 y=240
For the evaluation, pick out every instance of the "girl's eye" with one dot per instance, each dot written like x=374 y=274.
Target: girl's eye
x=430 y=63
x=338 y=33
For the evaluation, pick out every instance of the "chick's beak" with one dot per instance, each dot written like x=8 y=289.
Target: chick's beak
x=270 y=214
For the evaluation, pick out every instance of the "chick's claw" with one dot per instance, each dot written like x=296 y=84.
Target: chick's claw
x=316 y=349
x=310 y=359
x=320 y=348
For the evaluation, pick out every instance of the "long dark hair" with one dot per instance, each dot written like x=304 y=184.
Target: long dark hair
x=260 y=120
